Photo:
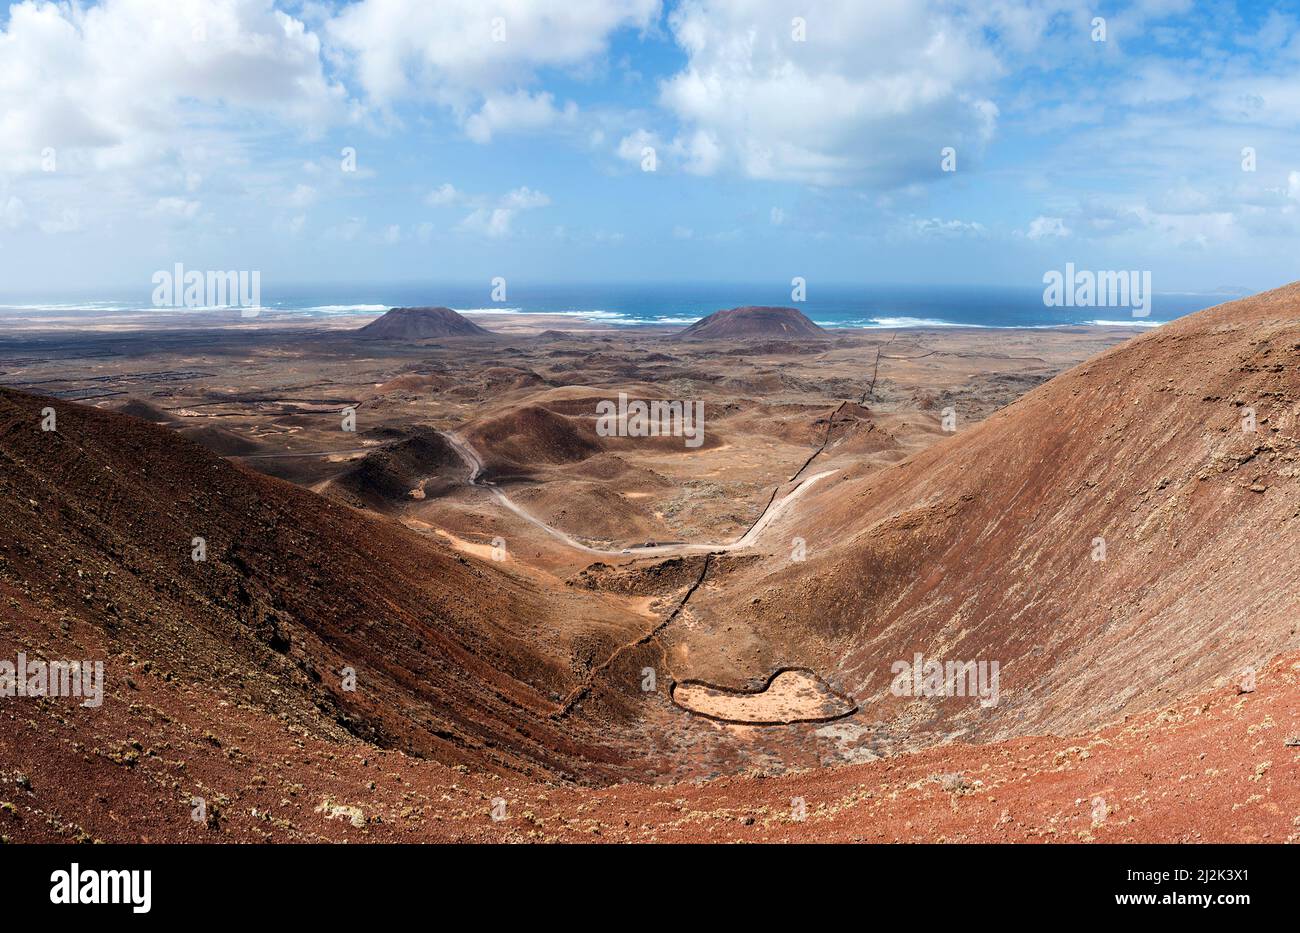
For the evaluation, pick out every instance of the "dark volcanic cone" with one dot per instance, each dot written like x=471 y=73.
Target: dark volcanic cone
x=422 y=323
x=753 y=322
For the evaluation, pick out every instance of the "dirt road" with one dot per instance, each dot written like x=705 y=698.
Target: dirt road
x=749 y=538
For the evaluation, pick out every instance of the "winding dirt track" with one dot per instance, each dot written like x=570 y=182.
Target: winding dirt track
x=774 y=508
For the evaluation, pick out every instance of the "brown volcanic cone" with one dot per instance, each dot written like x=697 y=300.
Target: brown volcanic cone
x=982 y=547
x=96 y=528
x=753 y=322
x=531 y=435
x=421 y=323
x=389 y=474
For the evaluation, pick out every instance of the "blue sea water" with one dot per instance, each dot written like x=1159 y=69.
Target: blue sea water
x=632 y=304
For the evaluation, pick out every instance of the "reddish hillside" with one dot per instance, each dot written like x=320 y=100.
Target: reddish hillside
x=743 y=323
x=96 y=561
x=982 y=547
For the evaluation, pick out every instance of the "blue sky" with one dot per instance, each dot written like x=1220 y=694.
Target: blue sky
x=507 y=138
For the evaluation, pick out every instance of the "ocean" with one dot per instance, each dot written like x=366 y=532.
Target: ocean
x=632 y=304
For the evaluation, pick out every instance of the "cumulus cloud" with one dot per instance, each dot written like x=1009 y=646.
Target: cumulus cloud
x=476 y=59
x=520 y=112
x=1044 y=228
x=489 y=222
x=119 y=82
x=870 y=94
x=945 y=229
x=697 y=152
x=525 y=198
x=302 y=196
x=496 y=220
x=444 y=194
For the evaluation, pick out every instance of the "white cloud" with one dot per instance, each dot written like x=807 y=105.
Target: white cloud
x=449 y=53
x=1042 y=228
x=525 y=199
x=696 y=152
x=870 y=96
x=520 y=112
x=945 y=229
x=490 y=222
x=121 y=82
x=777 y=216
x=496 y=220
x=444 y=194
x=700 y=153
x=632 y=147
x=302 y=196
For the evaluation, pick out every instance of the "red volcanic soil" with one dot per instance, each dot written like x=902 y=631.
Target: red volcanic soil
x=1120 y=717
x=96 y=539
x=421 y=323
x=988 y=545
x=1219 y=767
x=753 y=322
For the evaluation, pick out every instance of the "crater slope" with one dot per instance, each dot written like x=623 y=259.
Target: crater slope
x=1116 y=538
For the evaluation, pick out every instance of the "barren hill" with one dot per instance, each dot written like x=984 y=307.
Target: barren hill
x=1118 y=537
x=753 y=322
x=534 y=435
x=421 y=323
x=294 y=596
x=390 y=474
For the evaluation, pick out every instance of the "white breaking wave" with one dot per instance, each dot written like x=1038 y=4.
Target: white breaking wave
x=1135 y=322
x=342 y=309
x=79 y=306
x=660 y=320
x=894 y=322
x=614 y=317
